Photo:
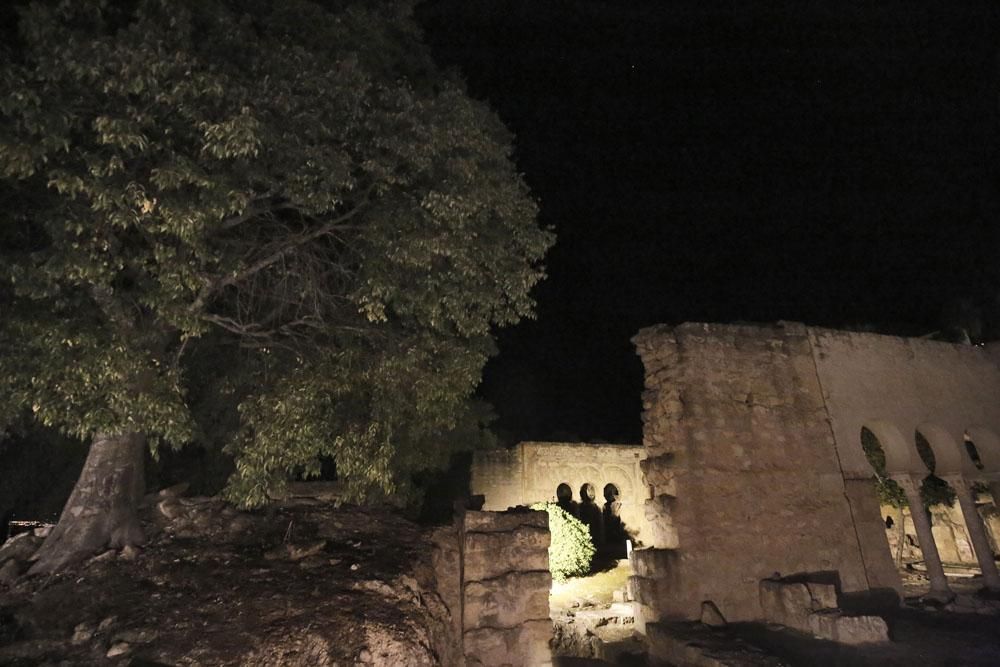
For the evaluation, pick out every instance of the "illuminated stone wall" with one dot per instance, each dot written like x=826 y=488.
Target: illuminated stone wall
x=492 y=570
x=531 y=471
x=754 y=458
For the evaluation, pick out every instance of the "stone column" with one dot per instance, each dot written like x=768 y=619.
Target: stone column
x=935 y=571
x=995 y=492
x=977 y=533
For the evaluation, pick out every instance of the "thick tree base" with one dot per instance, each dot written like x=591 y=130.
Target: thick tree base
x=101 y=513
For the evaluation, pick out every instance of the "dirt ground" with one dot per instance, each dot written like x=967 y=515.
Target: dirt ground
x=306 y=583
x=313 y=582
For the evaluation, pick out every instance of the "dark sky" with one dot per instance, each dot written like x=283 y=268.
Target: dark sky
x=833 y=163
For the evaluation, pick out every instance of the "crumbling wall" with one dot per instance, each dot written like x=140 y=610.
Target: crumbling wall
x=744 y=475
x=493 y=575
x=531 y=471
x=506 y=583
x=755 y=463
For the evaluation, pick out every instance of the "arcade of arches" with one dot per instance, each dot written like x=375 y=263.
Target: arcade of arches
x=601 y=484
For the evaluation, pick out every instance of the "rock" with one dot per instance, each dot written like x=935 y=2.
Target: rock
x=135 y=636
x=10 y=571
x=117 y=649
x=311 y=563
x=105 y=557
x=710 y=615
x=833 y=625
x=298 y=553
x=107 y=623
x=20 y=547
x=174 y=491
x=170 y=508
x=82 y=633
x=129 y=552
x=277 y=553
x=43 y=531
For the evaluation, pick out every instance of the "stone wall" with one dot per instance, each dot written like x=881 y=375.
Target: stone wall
x=531 y=471
x=754 y=457
x=506 y=583
x=904 y=384
x=745 y=476
x=493 y=574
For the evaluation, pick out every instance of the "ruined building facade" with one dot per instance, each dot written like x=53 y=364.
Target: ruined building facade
x=754 y=461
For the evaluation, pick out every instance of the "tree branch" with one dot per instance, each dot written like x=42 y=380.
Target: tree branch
x=264 y=262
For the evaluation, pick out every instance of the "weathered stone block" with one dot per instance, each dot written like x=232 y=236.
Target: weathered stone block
x=824 y=596
x=654 y=562
x=650 y=592
x=489 y=555
x=508 y=600
x=835 y=626
x=491 y=522
x=524 y=646
x=784 y=603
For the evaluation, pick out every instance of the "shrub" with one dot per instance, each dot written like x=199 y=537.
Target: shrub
x=571 y=549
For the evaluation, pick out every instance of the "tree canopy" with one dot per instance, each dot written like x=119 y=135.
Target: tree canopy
x=283 y=204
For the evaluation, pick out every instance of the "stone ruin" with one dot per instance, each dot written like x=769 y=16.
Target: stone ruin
x=493 y=574
x=759 y=487
x=752 y=497
x=534 y=472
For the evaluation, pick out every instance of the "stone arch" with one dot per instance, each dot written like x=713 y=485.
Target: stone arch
x=949 y=457
x=900 y=456
x=987 y=445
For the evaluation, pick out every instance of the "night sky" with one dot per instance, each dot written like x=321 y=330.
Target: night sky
x=833 y=163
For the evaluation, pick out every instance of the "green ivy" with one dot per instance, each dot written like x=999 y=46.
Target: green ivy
x=571 y=549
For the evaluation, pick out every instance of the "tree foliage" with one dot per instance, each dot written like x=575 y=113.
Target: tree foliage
x=571 y=549
x=290 y=187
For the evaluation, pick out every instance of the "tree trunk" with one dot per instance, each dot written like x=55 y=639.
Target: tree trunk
x=101 y=513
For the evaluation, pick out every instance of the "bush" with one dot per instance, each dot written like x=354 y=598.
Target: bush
x=571 y=549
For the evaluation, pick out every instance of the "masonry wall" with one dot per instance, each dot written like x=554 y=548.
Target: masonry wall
x=904 y=382
x=744 y=473
x=531 y=471
x=505 y=588
x=493 y=575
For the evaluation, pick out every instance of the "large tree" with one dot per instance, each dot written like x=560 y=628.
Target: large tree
x=282 y=200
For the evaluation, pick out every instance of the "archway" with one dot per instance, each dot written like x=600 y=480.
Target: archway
x=890 y=496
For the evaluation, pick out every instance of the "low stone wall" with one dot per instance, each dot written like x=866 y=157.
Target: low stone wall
x=506 y=583
x=493 y=574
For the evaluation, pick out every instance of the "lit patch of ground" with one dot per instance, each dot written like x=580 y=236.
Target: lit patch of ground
x=595 y=590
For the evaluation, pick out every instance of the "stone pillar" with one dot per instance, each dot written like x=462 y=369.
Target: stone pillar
x=505 y=589
x=977 y=533
x=935 y=571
